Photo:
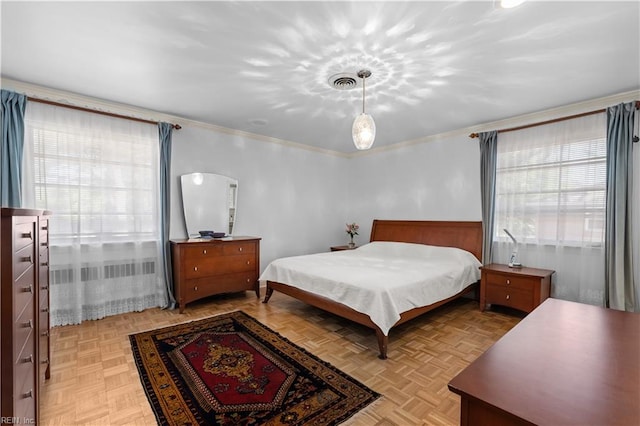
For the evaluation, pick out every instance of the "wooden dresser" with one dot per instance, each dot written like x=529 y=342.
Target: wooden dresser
x=24 y=318
x=519 y=288
x=203 y=268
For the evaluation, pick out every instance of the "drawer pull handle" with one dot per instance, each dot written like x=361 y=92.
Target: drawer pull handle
x=508 y=297
x=44 y=244
x=28 y=394
x=27 y=359
x=27 y=289
x=45 y=333
x=28 y=235
x=204 y=251
x=508 y=282
x=195 y=288
x=248 y=280
x=44 y=310
x=27 y=259
x=44 y=264
x=195 y=268
x=44 y=227
x=27 y=324
x=45 y=361
x=239 y=248
x=44 y=287
x=248 y=262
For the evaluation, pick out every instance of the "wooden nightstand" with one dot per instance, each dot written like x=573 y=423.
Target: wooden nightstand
x=519 y=288
x=344 y=247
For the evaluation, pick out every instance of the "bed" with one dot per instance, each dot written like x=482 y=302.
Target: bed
x=382 y=284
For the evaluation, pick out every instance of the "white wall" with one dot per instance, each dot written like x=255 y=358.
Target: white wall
x=434 y=180
x=298 y=200
x=293 y=198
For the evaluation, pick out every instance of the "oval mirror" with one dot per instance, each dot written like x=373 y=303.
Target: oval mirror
x=209 y=203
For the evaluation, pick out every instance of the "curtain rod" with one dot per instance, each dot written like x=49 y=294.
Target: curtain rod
x=95 y=111
x=555 y=120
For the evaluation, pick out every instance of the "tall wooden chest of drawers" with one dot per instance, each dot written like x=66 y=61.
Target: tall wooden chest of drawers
x=203 y=268
x=24 y=317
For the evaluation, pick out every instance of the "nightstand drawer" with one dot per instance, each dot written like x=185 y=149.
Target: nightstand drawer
x=524 y=283
x=512 y=297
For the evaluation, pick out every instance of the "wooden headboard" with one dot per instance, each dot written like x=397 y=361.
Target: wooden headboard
x=464 y=235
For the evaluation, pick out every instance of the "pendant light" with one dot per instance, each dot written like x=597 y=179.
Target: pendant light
x=364 y=128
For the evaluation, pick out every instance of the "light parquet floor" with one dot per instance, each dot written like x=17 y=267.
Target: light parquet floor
x=94 y=380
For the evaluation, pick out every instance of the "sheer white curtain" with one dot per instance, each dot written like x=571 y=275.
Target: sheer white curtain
x=99 y=177
x=550 y=194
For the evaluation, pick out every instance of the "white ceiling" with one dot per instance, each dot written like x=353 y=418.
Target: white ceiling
x=262 y=67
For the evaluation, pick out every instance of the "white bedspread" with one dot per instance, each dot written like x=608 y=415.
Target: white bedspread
x=380 y=279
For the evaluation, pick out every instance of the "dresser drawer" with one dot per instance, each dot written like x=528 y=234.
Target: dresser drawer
x=524 y=283
x=44 y=285
x=197 y=268
x=25 y=389
x=23 y=294
x=43 y=318
x=43 y=277
x=25 y=362
x=44 y=232
x=23 y=329
x=239 y=248
x=24 y=233
x=43 y=255
x=512 y=297
x=23 y=260
x=227 y=283
x=43 y=348
x=44 y=302
x=202 y=251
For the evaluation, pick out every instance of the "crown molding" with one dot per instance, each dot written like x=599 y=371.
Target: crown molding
x=262 y=138
x=520 y=120
x=75 y=99
x=559 y=112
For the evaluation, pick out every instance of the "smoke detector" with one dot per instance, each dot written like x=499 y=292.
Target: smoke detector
x=343 y=81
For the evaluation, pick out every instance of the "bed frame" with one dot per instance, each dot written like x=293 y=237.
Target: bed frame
x=464 y=235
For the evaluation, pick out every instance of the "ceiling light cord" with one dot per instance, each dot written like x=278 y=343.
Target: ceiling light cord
x=364 y=83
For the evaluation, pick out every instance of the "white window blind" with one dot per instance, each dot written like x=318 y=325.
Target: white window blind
x=101 y=189
x=550 y=183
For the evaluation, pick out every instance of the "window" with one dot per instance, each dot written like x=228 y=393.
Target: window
x=100 y=178
x=550 y=183
x=102 y=187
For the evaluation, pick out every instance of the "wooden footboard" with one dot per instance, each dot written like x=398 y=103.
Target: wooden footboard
x=353 y=315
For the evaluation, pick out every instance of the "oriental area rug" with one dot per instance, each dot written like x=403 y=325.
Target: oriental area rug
x=231 y=369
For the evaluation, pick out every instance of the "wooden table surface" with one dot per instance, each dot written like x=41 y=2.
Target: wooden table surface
x=565 y=363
